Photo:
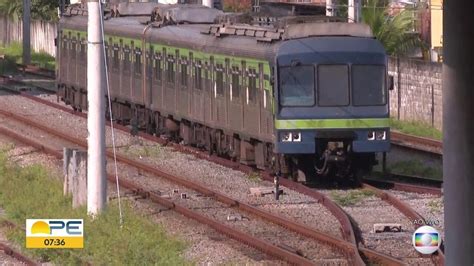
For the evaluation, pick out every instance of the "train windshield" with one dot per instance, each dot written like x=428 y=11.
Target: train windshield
x=333 y=85
x=368 y=85
x=297 y=86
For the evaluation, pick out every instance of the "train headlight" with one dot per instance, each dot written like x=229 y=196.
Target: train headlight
x=286 y=137
x=296 y=136
x=371 y=135
x=380 y=135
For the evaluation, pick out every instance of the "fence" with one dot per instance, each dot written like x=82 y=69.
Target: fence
x=42 y=34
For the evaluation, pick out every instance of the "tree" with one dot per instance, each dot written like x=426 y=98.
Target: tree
x=394 y=32
x=40 y=9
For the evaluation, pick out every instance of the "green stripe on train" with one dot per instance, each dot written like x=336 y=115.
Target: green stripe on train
x=332 y=123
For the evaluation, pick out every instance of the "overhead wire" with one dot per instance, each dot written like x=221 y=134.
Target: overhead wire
x=110 y=111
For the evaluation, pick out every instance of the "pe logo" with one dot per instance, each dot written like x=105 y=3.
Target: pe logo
x=54 y=233
x=426 y=240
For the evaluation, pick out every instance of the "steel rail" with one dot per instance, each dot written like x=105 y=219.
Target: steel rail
x=390 y=184
x=427 y=145
x=243 y=237
x=437 y=258
x=15 y=254
x=348 y=248
x=346 y=226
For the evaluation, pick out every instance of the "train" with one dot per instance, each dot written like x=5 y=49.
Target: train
x=304 y=97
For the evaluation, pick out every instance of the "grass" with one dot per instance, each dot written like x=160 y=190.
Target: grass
x=350 y=198
x=30 y=192
x=416 y=168
x=416 y=128
x=254 y=176
x=13 y=55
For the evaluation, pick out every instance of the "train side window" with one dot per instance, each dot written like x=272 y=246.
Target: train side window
x=252 y=86
x=235 y=84
x=158 y=67
x=170 y=70
x=184 y=73
x=138 y=62
x=83 y=50
x=197 y=75
x=126 y=58
x=115 y=57
x=219 y=79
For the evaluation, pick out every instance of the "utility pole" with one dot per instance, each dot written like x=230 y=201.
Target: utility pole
x=330 y=8
x=354 y=11
x=96 y=172
x=458 y=128
x=26 y=32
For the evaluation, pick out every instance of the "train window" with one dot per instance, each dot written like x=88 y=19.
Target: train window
x=170 y=70
x=126 y=59
x=138 y=62
x=297 y=86
x=235 y=84
x=333 y=85
x=158 y=68
x=197 y=76
x=252 y=87
x=184 y=73
x=115 y=57
x=219 y=79
x=83 y=51
x=368 y=85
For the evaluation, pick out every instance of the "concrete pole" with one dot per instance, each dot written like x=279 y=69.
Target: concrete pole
x=26 y=32
x=208 y=3
x=96 y=172
x=330 y=8
x=458 y=131
x=354 y=11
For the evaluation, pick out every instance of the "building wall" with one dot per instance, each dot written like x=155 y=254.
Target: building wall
x=418 y=89
x=436 y=7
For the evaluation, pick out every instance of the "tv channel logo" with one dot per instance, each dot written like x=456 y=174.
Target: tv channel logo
x=54 y=233
x=426 y=240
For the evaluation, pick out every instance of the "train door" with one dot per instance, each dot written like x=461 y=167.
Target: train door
x=137 y=76
x=158 y=80
x=266 y=113
x=198 y=91
x=73 y=51
x=219 y=104
x=125 y=79
x=234 y=116
x=183 y=88
x=208 y=91
x=114 y=68
x=251 y=103
x=169 y=90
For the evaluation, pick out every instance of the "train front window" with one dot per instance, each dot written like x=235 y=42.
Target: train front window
x=333 y=85
x=297 y=86
x=368 y=85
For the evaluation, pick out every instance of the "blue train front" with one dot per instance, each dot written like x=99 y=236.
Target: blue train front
x=332 y=115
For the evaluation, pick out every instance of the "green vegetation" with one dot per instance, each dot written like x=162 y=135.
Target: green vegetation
x=435 y=205
x=416 y=168
x=393 y=31
x=416 y=128
x=350 y=198
x=254 y=176
x=40 y=9
x=13 y=55
x=31 y=193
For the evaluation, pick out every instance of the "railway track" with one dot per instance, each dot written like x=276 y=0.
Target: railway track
x=278 y=252
x=16 y=255
x=346 y=226
x=408 y=184
x=426 y=145
x=438 y=257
